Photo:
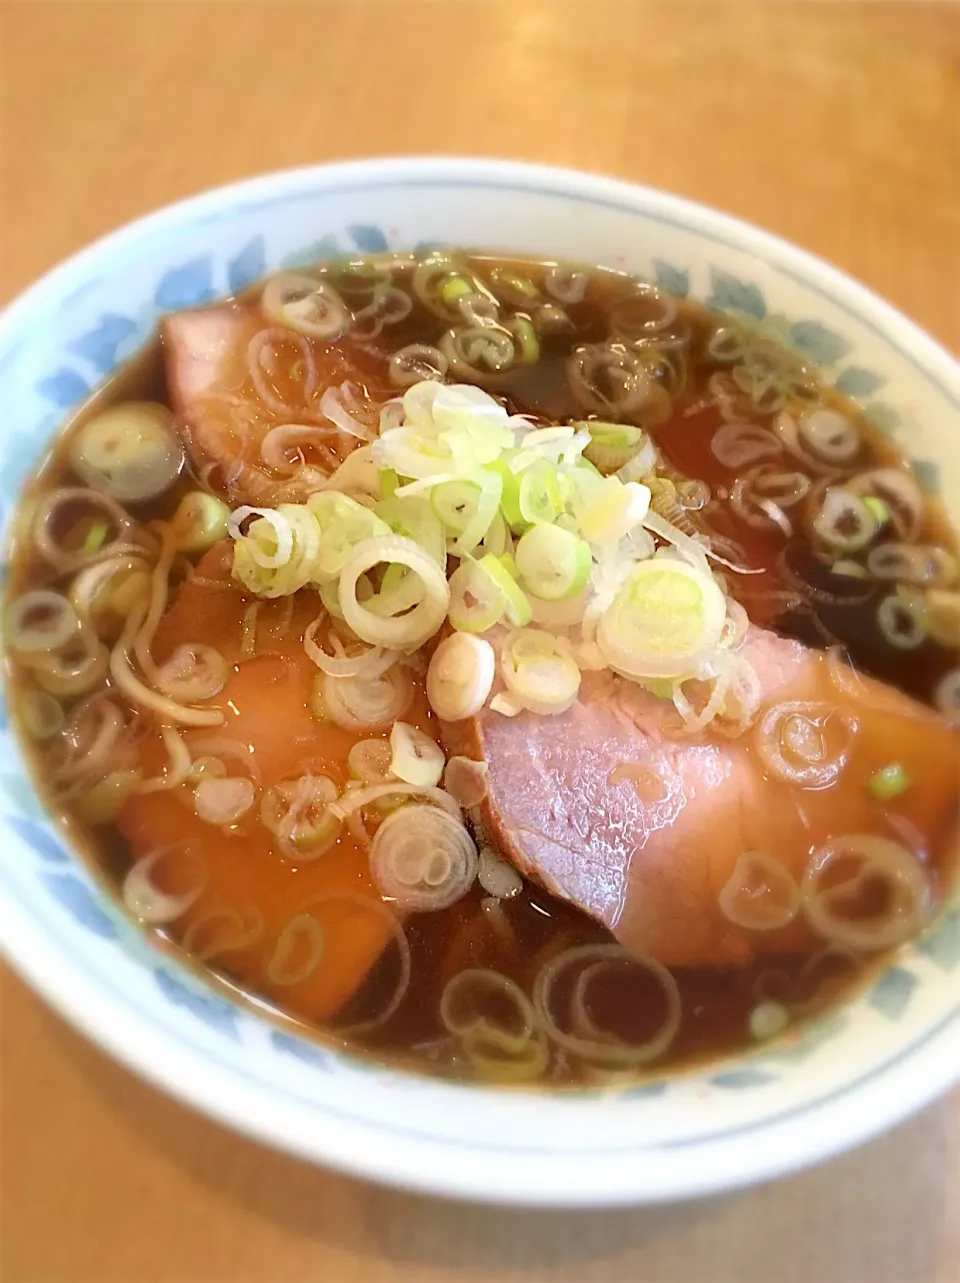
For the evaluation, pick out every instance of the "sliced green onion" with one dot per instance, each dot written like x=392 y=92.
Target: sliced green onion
x=613 y=445
x=766 y=388
x=845 y=522
x=42 y=715
x=344 y=524
x=468 y=508
x=369 y=761
x=277 y=556
x=889 y=782
x=518 y=608
x=476 y=602
x=330 y=596
x=540 y=497
x=768 y=1019
x=877 y=506
x=40 y=621
x=913 y=564
x=415 y=758
x=902 y=621
x=411 y=453
x=454 y=503
x=199 y=522
x=526 y=338
x=514 y=288
x=461 y=405
x=553 y=563
x=93 y=539
x=497 y=540
x=460 y=675
x=830 y=435
x=479 y=350
x=563 y=612
x=616 y=508
x=475 y=445
x=850 y=569
x=665 y=621
x=727 y=343
x=405 y=632
x=389 y=481
x=551 y=319
x=414 y=518
x=400 y=590
x=357 y=475
x=130 y=452
x=509 y=495
x=487 y=506
x=454 y=288
x=614 y=436
x=539 y=671
x=549 y=445
x=417 y=402
x=506 y=705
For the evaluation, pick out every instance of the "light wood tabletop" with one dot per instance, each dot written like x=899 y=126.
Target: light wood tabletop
x=836 y=125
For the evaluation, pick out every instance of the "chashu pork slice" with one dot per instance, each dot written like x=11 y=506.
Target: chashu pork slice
x=608 y=806
x=226 y=414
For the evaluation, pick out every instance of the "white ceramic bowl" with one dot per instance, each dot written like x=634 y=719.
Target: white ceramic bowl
x=860 y=1070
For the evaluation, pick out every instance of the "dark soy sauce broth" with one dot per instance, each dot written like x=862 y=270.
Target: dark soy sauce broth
x=517 y=936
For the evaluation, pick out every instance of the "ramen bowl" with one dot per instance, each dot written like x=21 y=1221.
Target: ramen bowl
x=860 y=1069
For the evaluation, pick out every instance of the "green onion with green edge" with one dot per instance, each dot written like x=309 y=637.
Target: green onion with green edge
x=455 y=503
x=540 y=499
x=93 y=540
x=526 y=338
x=468 y=507
x=200 y=521
x=613 y=435
x=506 y=280
x=388 y=481
x=501 y=571
x=877 y=507
x=889 y=782
x=412 y=517
x=454 y=288
x=553 y=563
x=611 y=444
x=851 y=569
x=400 y=590
x=510 y=495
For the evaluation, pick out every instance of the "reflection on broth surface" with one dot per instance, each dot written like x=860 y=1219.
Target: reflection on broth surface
x=500 y=666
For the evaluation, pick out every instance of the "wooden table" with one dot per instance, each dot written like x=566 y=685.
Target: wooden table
x=835 y=124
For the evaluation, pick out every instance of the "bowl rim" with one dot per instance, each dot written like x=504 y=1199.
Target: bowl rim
x=358 y=1147
x=807 y=268
x=362 y=1149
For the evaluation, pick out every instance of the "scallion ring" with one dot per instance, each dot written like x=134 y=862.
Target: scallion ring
x=408 y=631
x=553 y=563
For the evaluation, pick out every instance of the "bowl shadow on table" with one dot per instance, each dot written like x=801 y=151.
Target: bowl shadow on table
x=784 y=1232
